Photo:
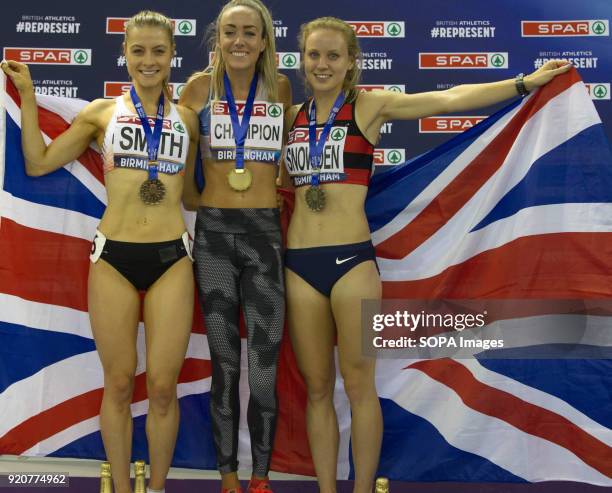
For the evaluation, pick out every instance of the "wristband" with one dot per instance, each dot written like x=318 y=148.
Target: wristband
x=519 y=83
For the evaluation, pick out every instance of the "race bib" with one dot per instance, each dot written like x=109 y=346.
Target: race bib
x=130 y=145
x=297 y=155
x=264 y=138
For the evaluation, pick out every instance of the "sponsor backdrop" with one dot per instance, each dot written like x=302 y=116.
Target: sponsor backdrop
x=469 y=420
x=74 y=48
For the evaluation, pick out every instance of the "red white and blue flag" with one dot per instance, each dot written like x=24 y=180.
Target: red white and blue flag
x=520 y=206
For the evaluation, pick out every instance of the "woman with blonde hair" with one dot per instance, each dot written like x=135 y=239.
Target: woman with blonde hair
x=330 y=261
x=141 y=243
x=240 y=100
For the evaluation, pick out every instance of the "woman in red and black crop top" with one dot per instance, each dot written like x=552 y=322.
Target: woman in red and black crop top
x=330 y=263
x=354 y=166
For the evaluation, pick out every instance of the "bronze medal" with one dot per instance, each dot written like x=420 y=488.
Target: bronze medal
x=315 y=198
x=240 y=179
x=152 y=192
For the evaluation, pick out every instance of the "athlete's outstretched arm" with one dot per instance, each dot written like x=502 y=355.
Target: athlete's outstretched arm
x=41 y=159
x=395 y=106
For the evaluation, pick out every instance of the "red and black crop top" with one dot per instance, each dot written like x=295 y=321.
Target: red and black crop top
x=347 y=156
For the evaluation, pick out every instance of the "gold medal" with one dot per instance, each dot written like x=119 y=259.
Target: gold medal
x=152 y=192
x=315 y=198
x=240 y=179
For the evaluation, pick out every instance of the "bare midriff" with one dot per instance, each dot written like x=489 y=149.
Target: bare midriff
x=342 y=220
x=218 y=193
x=127 y=218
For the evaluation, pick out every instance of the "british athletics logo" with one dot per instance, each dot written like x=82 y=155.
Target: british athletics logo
x=378 y=29
x=182 y=27
x=114 y=89
x=448 y=124
x=496 y=60
x=382 y=87
x=49 y=56
x=565 y=28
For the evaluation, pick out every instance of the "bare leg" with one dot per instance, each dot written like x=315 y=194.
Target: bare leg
x=168 y=313
x=114 y=331
x=312 y=335
x=358 y=371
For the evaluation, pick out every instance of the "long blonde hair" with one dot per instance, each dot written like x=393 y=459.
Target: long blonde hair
x=353 y=75
x=150 y=18
x=266 y=64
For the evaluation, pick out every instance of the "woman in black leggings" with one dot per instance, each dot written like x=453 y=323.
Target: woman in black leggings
x=240 y=100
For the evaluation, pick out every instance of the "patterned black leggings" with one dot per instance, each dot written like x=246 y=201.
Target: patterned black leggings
x=238 y=260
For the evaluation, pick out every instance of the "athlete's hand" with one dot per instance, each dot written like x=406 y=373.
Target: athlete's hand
x=546 y=73
x=19 y=74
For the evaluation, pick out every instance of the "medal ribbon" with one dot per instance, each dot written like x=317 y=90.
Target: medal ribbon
x=153 y=137
x=240 y=128
x=315 y=148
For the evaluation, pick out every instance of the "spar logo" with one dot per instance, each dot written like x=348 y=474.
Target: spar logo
x=565 y=28
x=114 y=89
x=448 y=124
x=382 y=87
x=178 y=127
x=288 y=60
x=598 y=90
x=463 y=60
x=182 y=27
x=81 y=57
x=378 y=29
x=186 y=27
x=338 y=134
x=389 y=156
x=274 y=110
x=176 y=89
x=49 y=56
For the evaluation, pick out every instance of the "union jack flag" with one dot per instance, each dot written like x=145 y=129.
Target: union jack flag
x=520 y=206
